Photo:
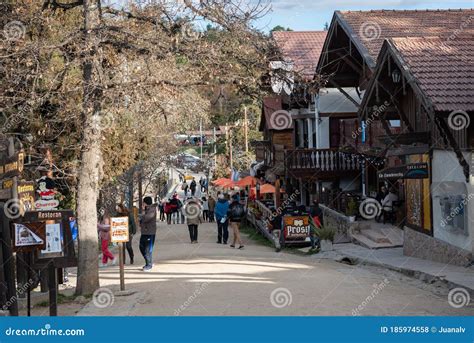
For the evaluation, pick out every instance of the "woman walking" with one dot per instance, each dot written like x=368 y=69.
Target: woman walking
x=103 y=228
x=205 y=209
x=193 y=210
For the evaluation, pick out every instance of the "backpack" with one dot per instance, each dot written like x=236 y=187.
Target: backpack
x=237 y=211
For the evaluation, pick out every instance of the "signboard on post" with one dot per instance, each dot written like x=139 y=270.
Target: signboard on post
x=296 y=228
x=119 y=234
x=119 y=230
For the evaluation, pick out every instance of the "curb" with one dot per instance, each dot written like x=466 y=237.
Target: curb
x=416 y=274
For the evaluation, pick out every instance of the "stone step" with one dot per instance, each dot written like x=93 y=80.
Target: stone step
x=375 y=235
x=370 y=244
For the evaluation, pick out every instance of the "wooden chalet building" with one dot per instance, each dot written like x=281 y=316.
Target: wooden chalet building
x=429 y=79
x=414 y=71
x=308 y=138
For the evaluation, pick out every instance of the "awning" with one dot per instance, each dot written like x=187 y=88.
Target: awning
x=408 y=171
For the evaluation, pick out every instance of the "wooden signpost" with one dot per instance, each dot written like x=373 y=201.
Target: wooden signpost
x=119 y=233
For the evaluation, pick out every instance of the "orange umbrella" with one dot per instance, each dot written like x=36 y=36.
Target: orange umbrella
x=225 y=183
x=247 y=181
x=221 y=180
x=266 y=189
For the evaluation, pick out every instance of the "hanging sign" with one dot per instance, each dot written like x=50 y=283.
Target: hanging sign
x=46 y=192
x=409 y=171
x=119 y=229
x=12 y=166
x=26 y=196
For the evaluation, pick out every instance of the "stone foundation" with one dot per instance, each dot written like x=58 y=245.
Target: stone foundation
x=419 y=245
x=339 y=222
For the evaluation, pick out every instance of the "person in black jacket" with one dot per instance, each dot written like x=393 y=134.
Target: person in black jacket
x=236 y=213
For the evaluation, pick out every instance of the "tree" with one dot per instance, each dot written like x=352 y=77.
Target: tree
x=132 y=72
x=280 y=28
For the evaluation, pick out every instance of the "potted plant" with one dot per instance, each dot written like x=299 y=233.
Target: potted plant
x=352 y=210
x=326 y=235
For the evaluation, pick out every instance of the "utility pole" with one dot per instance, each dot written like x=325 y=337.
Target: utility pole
x=200 y=134
x=230 y=152
x=215 y=147
x=246 y=128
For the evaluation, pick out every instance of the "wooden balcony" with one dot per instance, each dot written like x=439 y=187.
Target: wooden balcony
x=331 y=161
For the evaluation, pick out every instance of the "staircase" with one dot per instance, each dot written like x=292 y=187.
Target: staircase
x=373 y=235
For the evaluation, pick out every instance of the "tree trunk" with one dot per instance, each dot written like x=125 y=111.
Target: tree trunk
x=91 y=161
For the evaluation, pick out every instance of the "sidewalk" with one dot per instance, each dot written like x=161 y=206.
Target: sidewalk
x=394 y=259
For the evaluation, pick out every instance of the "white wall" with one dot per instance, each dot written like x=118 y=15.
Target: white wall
x=448 y=175
x=324 y=133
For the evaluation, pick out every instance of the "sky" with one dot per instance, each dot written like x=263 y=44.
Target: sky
x=301 y=15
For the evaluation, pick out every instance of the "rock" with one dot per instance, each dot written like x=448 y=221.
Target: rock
x=81 y=299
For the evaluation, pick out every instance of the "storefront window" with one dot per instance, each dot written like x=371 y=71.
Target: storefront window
x=453 y=209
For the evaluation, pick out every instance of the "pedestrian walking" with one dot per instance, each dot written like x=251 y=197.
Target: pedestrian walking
x=212 y=206
x=185 y=188
x=221 y=209
x=161 y=208
x=205 y=209
x=122 y=211
x=193 y=187
x=236 y=213
x=148 y=232
x=193 y=214
x=168 y=211
x=176 y=205
x=317 y=218
x=103 y=227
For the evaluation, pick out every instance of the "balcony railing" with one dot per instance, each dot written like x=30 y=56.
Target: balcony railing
x=321 y=159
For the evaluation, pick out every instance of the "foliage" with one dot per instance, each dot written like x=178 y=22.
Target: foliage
x=351 y=207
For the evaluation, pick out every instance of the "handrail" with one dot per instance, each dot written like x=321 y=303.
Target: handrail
x=322 y=159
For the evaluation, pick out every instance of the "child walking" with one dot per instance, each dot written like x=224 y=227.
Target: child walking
x=104 y=233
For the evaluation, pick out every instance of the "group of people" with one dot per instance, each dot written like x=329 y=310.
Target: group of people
x=146 y=221
x=192 y=187
x=227 y=212
x=171 y=210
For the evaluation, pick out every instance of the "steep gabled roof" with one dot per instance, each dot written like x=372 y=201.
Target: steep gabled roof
x=443 y=69
x=368 y=29
x=303 y=48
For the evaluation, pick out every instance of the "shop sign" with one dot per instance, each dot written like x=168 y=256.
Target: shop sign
x=119 y=229
x=12 y=166
x=46 y=192
x=26 y=196
x=409 y=171
x=296 y=227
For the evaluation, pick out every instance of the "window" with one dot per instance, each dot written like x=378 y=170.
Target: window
x=453 y=213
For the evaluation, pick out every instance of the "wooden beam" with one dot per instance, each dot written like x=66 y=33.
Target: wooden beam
x=349 y=61
x=332 y=82
x=443 y=127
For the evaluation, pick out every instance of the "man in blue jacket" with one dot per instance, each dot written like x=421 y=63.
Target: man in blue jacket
x=220 y=211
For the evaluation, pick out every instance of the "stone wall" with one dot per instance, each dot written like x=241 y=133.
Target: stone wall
x=339 y=222
x=419 y=245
